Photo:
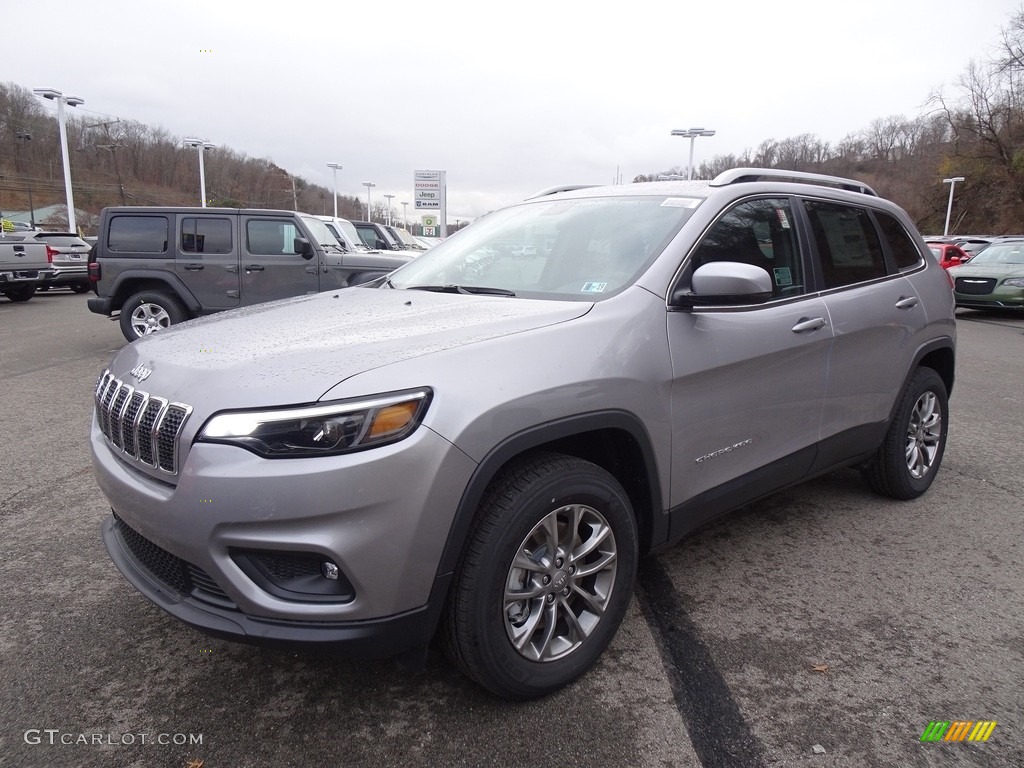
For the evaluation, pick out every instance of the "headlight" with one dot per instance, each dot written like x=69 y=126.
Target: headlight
x=326 y=429
x=1016 y=282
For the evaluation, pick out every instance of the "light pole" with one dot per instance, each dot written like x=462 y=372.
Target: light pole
x=691 y=134
x=335 y=167
x=369 y=185
x=389 y=199
x=405 y=214
x=949 y=208
x=202 y=146
x=71 y=101
x=22 y=136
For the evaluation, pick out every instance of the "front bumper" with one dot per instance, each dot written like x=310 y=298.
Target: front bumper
x=381 y=515
x=380 y=638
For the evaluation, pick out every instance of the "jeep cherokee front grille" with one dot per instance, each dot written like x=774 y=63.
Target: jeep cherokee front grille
x=142 y=427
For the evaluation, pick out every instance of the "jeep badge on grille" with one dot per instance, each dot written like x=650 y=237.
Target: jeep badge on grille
x=140 y=372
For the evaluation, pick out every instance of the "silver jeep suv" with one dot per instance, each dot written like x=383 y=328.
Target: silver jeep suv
x=481 y=444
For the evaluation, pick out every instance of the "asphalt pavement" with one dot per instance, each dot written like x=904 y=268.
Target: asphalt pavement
x=821 y=627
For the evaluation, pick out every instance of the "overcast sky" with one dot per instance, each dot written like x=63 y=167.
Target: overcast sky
x=508 y=98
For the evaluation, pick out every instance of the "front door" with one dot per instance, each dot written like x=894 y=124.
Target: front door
x=748 y=381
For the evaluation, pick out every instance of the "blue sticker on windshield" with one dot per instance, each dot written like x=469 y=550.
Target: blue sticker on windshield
x=593 y=287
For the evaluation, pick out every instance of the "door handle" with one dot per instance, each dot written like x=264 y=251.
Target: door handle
x=193 y=267
x=311 y=270
x=253 y=267
x=906 y=303
x=809 y=324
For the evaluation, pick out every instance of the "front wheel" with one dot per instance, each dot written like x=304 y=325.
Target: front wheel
x=147 y=312
x=80 y=287
x=910 y=455
x=546 y=577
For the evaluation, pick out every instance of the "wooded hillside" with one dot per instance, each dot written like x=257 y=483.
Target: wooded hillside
x=976 y=131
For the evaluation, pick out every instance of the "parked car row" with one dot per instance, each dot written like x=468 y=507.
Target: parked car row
x=993 y=278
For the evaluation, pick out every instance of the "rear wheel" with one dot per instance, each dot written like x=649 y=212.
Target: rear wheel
x=546 y=578
x=147 y=312
x=908 y=459
x=22 y=292
x=79 y=287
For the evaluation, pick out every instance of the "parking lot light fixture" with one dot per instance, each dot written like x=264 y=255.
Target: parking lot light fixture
x=335 y=167
x=71 y=101
x=369 y=185
x=949 y=207
x=202 y=147
x=389 y=199
x=405 y=214
x=691 y=134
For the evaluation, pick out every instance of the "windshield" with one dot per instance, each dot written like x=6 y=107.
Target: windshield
x=349 y=229
x=1001 y=253
x=319 y=230
x=587 y=248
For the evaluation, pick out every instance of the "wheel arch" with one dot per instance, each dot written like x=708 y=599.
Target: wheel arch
x=616 y=441
x=133 y=281
x=940 y=357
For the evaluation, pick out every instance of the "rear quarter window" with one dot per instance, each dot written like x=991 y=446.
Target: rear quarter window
x=137 y=234
x=901 y=244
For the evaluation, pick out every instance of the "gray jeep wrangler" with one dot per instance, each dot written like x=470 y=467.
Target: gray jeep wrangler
x=155 y=267
x=483 y=443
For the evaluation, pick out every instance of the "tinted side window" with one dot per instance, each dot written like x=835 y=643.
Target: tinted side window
x=848 y=245
x=138 y=234
x=270 y=238
x=901 y=244
x=758 y=232
x=205 y=235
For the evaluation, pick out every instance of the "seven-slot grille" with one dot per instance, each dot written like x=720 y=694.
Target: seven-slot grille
x=143 y=427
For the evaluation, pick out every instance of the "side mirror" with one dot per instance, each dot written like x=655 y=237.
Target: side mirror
x=724 y=282
x=303 y=247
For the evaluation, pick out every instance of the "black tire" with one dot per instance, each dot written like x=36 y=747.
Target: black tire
x=42 y=288
x=79 y=287
x=22 y=292
x=910 y=455
x=149 y=311
x=575 y=598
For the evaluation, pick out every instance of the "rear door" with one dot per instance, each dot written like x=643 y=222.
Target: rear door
x=206 y=260
x=271 y=266
x=875 y=314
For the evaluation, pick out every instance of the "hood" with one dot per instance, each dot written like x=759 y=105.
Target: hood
x=970 y=269
x=295 y=350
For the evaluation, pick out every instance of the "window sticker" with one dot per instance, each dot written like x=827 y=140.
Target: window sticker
x=783 y=218
x=783 y=276
x=680 y=202
x=593 y=287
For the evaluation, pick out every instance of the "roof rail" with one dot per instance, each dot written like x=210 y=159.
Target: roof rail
x=741 y=175
x=560 y=188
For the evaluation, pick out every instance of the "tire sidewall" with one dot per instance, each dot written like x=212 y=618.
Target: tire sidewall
x=511 y=672
x=166 y=302
x=924 y=380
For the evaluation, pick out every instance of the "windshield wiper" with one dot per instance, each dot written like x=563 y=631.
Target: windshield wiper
x=469 y=289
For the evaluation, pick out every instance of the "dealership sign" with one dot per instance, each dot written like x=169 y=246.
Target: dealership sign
x=428 y=189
